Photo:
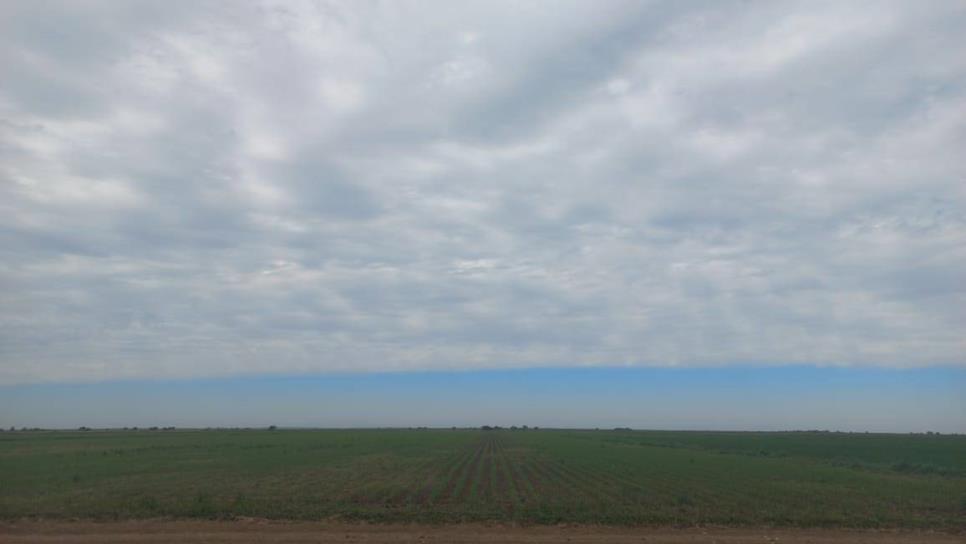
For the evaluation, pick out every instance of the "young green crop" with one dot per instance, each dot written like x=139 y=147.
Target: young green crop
x=547 y=476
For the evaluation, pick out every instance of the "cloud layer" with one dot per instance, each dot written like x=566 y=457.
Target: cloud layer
x=200 y=189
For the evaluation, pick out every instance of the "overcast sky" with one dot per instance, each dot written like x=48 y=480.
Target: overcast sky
x=193 y=189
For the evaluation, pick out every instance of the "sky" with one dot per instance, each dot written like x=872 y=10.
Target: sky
x=196 y=191
x=734 y=398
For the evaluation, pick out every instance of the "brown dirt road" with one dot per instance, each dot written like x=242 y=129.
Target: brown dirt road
x=198 y=532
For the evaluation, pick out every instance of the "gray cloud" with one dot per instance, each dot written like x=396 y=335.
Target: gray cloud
x=199 y=189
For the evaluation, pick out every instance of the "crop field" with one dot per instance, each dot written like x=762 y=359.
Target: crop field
x=529 y=477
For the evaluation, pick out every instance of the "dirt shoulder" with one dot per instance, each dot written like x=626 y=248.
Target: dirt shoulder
x=325 y=532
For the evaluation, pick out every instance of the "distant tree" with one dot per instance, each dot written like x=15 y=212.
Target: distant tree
x=272 y=427
x=486 y=428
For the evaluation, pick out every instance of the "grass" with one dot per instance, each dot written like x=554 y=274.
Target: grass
x=546 y=476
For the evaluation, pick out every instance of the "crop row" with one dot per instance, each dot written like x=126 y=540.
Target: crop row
x=488 y=475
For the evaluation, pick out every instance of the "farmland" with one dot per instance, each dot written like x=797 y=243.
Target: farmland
x=529 y=477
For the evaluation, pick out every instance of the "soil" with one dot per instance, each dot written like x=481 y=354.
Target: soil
x=244 y=531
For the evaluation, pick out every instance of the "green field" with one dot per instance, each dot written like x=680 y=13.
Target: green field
x=545 y=476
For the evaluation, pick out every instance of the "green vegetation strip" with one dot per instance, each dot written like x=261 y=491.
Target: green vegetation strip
x=546 y=476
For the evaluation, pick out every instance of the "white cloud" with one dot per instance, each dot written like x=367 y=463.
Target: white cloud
x=192 y=190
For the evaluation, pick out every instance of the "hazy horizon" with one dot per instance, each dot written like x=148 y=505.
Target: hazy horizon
x=754 y=213
x=731 y=398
